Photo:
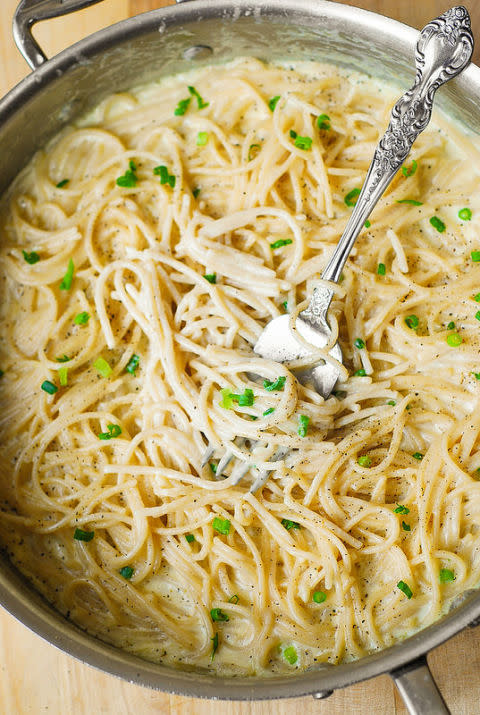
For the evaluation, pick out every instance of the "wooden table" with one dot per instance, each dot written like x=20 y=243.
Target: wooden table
x=35 y=677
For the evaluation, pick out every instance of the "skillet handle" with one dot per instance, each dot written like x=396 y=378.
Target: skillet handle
x=28 y=13
x=418 y=689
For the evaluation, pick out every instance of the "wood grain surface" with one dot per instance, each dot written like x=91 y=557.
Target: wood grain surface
x=37 y=678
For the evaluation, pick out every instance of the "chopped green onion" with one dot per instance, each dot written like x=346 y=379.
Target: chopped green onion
x=234 y=599
x=446 y=575
x=381 y=269
x=360 y=373
x=417 y=455
x=412 y=202
x=132 y=364
x=364 y=461
x=323 y=122
x=275 y=385
x=477 y=375
x=351 y=197
x=81 y=535
x=477 y=315
x=319 y=596
x=66 y=283
x=405 y=588
x=454 y=340
x=281 y=242
x=195 y=192
x=49 y=387
x=475 y=256
x=244 y=400
x=200 y=103
x=81 y=318
x=392 y=403
x=405 y=526
x=190 y=538
x=476 y=298
x=126 y=572
x=269 y=411
x=253 y=417
x=182 y=107
x=367 y=224
x=288 y=524
x=293 y=134
x=303 y=427
x=465 y=214
x=31 y=258
x=62 y=183
x=253 y=151
x=226 y=401
x=438 y=224
x=213 y=467
x=129 y=178
x=63 y=358
x=290 y=655
x=451 y=325
x=272 y=103
x=221 y=525
x=359 y=343
x=285 y=305
x=401 y=509
x=102 y=367
x=218 y=615
x=211 y=277
x=304 y=143
x=165 y=177
x=2 y=373
x=215 y=645
x=409 y=171
x=113 y=431
x=202 y=138
x=247 y=399
x=63 y=376
x=412 y=322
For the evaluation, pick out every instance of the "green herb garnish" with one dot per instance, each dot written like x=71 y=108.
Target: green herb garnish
x=409 y=171
x=412 y=202
x=465 y=214
x=189 y=538
x=412 y=322
x=269 y=411
x=451 y=325
x=165 y=177
x=381 y=269
x=281 y=242
x=49 y=387
x=359 y=343
x=81 y=318
x=126 y=572
x=304 y=143
x=392 y=403
x=81 y=535
x=275 y=385
x=218 y=615
x=405 y=526
x=417 y=455
x=182 y=107
x=63 y=358
x=234 y=599
x=211 y=277
x=129 y=179
x=31 y=258
x=215 y=645
x=253 y=151
x=202 y=138
x=66 y=283
x=438 y=224
x=475 y=256
x=367 y=224
x=113 y=431
x=200 y=103
x=319 y=596
x=195 y=192
x=360 y=373
x=62 y=183
x=405 y=588
x=446 y=575
x=454 y=340
x=401 y=509
x=290 y=655
x=63 y=376
x=323 y=122
x=132 y=364
x=303 y=426
x=213 y=467
x=102 y=367
x=364 y=461
x=288 y=524
x=352 y=196
x=221 y=525
x=272 y=103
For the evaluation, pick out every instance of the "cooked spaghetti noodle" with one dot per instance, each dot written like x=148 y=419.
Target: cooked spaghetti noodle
x=142 y=253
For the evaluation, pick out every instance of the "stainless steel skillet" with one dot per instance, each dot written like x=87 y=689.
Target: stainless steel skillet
x=164 y=42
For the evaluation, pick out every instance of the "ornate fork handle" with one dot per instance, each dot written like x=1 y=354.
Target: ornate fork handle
x=443 y=50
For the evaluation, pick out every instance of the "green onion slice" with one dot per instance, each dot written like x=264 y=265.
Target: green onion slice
x=202 y=138
x=465 y=214
x=272 y=103
x=446 y=575
x=200 y=102
x=66 y=283
x=290 y=655
x=63 y=376
x=275 y=385
x=113 y=431
x=364 y=460
x=411 y=202
x=218 y=615
x=234 y=599
x=323 y=122
x=417 y=455
x=81 y=535
x=129 y=179
x=475 y=256
x=165 y=176
x=49 y=387
x=288 y=524
x=253 y=151
x=132 y=364
x=303 y=426
x=81 y=318
x=405 y=588
x=381 y=269
x=351 y=197
x=405 y=526
x=280 y=243
x=182 y=107
x=31 y=258
x=319 y=596
x=409 y=171
x=211 y=277
x=189 y=538
x=126 y=572
x=454 y=340
x=412 y=322
x=438 y=224
x=61 y=184
x=214 y=646
x=401 y=509
x=102 y=367
x=221 y=525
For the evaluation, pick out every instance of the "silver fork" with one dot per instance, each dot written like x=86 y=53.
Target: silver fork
x=443 y=50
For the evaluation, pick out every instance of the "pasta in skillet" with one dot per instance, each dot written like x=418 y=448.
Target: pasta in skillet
x=142 y=253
